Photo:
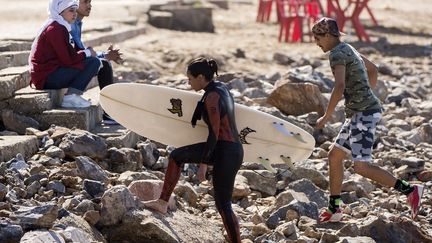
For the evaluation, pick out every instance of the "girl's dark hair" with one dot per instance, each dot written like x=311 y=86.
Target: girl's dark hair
x=204 y=66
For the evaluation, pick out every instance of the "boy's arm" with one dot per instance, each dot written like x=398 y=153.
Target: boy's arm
x=336 y=95
x=372 y=71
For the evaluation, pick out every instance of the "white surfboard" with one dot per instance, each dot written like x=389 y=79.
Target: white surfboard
x=163 y=114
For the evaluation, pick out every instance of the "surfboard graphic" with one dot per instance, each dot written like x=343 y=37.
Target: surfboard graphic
x=163 y=114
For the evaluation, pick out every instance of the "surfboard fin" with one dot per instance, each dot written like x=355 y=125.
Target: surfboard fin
x=266 y=164
x=280 y=127
x=288 y=161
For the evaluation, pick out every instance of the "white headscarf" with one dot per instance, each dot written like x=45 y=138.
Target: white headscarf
x=55 y=7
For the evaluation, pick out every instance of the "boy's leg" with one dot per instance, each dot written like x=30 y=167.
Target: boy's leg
x=105 y=74
x=361 y=141
x=375 y=173
x=336 y=157
x=337 y=154
x=105 y=78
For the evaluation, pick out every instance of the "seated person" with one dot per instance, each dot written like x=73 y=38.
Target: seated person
x=55 y=64
x=105 y=74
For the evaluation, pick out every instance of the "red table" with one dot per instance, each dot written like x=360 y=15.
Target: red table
x=350 y=12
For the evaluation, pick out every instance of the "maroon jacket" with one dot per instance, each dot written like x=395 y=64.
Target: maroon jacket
x=53 y=50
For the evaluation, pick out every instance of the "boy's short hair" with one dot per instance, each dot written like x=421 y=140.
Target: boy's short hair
x=326 y=26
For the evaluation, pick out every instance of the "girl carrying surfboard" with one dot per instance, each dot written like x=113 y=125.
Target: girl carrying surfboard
x=222 y=149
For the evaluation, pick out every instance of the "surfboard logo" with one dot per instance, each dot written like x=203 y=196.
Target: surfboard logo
x=176 y=107
x=243 y=133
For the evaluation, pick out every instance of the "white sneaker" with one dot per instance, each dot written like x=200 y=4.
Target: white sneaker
x=75 y=101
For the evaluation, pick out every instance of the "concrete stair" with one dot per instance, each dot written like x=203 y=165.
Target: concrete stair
x=13 y=58
x=13 y=79
x=44 y=105
x=15 y=46
x=11 y=145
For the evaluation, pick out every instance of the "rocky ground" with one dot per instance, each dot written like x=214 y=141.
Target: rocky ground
x=81 y=187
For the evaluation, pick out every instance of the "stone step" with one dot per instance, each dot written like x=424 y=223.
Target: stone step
x=82 y=118
x=11 y=145
x=13 y=58
x=114 y=36
x=15 y=53
x=14 y=71
x=13 y=79
x=44 y=107
x=15 y=46
x=14 y=82
x=29 y=101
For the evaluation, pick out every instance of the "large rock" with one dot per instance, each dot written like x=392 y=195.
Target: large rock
x=185 y=18
x=241 y=187
x=124 y=159
x=72 y=220
x=382 y=229
x=146 y=190
x=3 y=191
x=90 y=169
x=306 y=74
x=127 y=140
x=315 y=176
x=303 y=208
x=79 y=142
x=116 y=202
x=149 y=153
x=10 y=232
x=264 y=182
x=143 y=226
x=297 y=98
x=128 y=177
x=18 y=123
x=94 y=188
x=73 y=234
x=187 y=192
x=288 y=196
x=42 y=236
x=314 y=193
x=36 y=217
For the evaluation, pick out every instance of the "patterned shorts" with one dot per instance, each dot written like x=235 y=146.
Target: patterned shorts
x=357 y=135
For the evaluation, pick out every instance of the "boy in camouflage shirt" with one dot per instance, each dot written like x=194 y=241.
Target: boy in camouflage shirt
x=354 y=75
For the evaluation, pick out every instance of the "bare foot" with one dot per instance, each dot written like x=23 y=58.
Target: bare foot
x=158 y=204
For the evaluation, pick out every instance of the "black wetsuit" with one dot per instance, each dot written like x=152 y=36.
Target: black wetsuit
x=223 y=150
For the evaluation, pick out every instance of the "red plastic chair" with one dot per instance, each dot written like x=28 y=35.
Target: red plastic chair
x=290 y=16
x=313 y=11
x=264 y=10
x=293 y=13
x=350 y=13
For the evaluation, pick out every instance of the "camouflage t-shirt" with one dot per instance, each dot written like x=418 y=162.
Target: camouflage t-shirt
x=358 y=94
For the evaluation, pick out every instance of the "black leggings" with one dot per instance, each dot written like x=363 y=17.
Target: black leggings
x=226 y=160
x=105 y=74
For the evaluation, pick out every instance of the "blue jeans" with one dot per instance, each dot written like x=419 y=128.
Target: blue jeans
x=74 y=79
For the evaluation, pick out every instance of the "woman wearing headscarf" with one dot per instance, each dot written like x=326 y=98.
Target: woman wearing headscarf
x=54 y=63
